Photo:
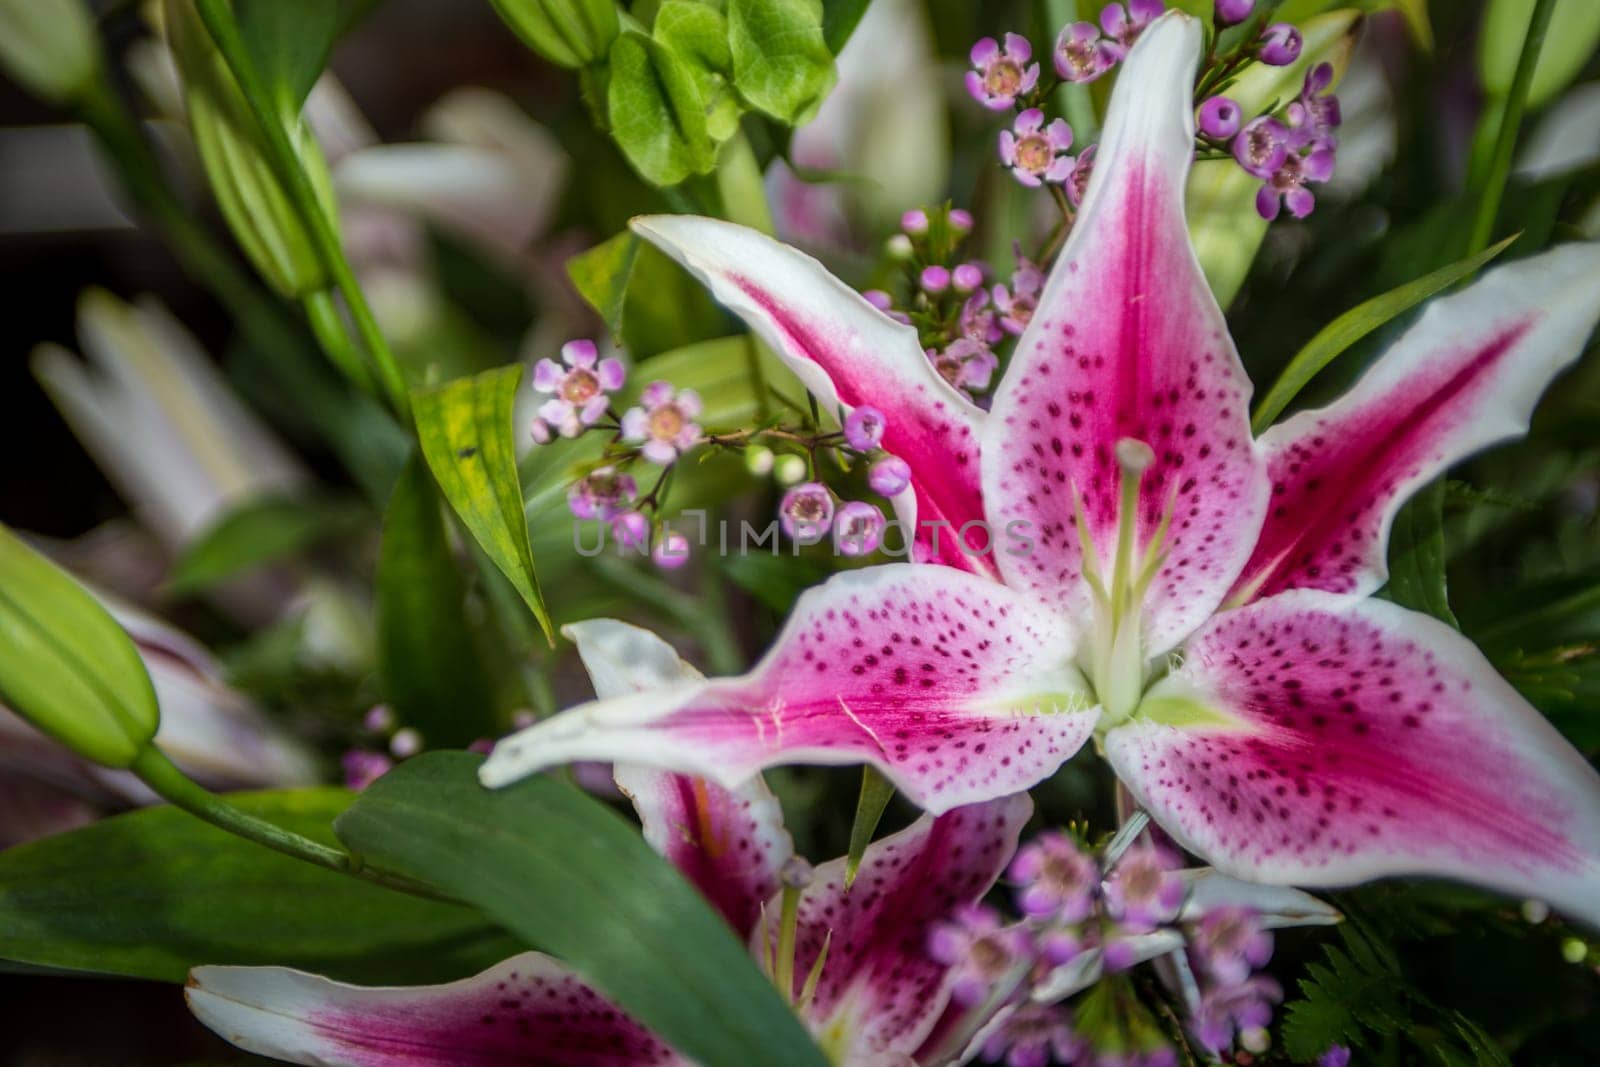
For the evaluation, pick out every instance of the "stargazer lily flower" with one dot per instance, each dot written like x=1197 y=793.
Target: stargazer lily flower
x=1196 y=600
x=862 y=980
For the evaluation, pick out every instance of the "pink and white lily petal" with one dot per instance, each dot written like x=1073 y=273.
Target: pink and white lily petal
x=529 y=1009
x=1307 y=740
x=1467 y=375
x=730 y=844
x=847 y=353
x=880 y=992
x=1128 y=342
x=955 y=687
x=1276 y=906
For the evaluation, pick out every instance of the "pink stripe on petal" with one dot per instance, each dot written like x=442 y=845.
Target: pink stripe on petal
x=729 y=843
x=847 y=353
x=528 y=1010
x=1128 y=342
x=880 y=991
x=956 y=687
x=1325 y=742
x=1466 y=375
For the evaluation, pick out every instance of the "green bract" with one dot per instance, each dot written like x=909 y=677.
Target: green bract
x=658 y=115
x=49 y=46
x=66 y=666
x=781 y=63
x=258 y=209
x=569 y=33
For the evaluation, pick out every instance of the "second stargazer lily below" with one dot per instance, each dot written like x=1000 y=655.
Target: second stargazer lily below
x=1196 y=600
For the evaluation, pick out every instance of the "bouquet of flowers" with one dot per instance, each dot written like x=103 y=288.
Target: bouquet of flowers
x=1038 y=454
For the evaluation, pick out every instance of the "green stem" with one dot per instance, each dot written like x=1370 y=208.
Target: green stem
x=1494 y=188
x=218 y=18
x=171 y=784
x=788 y=923
x=322 y=311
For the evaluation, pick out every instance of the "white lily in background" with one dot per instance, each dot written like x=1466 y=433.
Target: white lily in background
x=210 y=730
x=158 y=417
x=884 y=127
x=1195 y=600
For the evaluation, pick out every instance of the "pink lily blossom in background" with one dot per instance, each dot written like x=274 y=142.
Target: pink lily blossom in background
x=1194 y=600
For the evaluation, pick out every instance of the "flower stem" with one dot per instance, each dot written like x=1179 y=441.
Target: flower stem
x=163 y=776
x=788 y=921
x=1494 y=187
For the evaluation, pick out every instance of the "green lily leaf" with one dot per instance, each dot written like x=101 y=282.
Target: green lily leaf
x=289 y=41
x=432 y=672
x=1573 y=35
x=465 y=430
x=65 y=664
x=1417 y=556
x=257 y=533
x=658 y=116
x=698 y=35
x=564 y=872
x=839 y=21
x=152 y=893
x=602 y=274
x=781 y=63
x=1344 y=331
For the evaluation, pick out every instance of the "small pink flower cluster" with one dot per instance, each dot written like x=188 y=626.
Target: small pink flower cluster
x=809 y=511
x=1036 y=147
x=1287 y=149
x=959 y=318
x=1083 y=915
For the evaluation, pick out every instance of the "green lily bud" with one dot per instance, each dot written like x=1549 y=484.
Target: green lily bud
x=66 y=666
x=569 y=33
x=49 y=46
x=258 y=209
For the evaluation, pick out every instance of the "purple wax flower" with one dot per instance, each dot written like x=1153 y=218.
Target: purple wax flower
x=1233 y=12
x=1077 y=183
x=889 y=476
x=1228 y=943
x=1034 y=152
x=863 y=428
x=806 y=512
x=858 y=529
x=1082 y=54
x=1033 y=1035
x=664 y=422
x=1144 y=890
x=934 y=279
x=1280 y=44
x=579 y=391
x=965 y=363
x=671 y=551
x=1001 y=74
x=979 y=950
x=1056 y=880
x=631 y=530
x=1219 y=118
x=914 y=222
x=601 y=494
x=967 y=277
x=1262 y=146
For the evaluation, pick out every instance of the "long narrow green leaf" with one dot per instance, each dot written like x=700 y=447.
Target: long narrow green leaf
x=875 y=795
x=1417 y=558
x=465 y=430
x=433 y=674
x=155 y=892
x=564 y=872
x=1344 y=331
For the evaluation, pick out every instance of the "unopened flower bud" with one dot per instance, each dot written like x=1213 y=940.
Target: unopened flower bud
x=934 y=280
x=671 y=551
x=759 y=460
x=914 y=222
x=49 y=47
x=967 y=277
x=1280 y=44
x=796 y=873
x=788 y=469
x=1219 y=118
x=1233 y=12
x=569 y=33
x=263 y=217
x=879 y=299
x=960 y=220
x=405 y=743
x=863 y=428
x=889 y=476
x=899 y=247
